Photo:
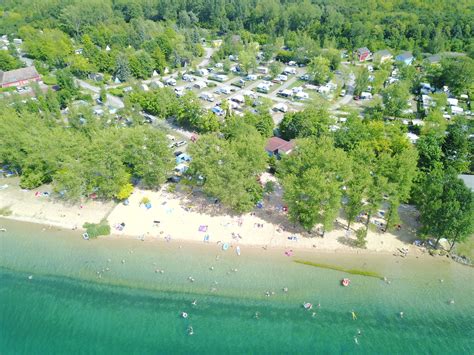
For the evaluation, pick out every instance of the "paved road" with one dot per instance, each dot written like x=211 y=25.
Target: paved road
x=111 y=100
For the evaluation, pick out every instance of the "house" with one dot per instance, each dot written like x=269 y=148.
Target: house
x=171 y=82
x=239 y=99
x=202 y=72
x=452 y=101
x=277 y=146
x=406 y=57
x=289 y=70
x=18 y=77
x=207 y=96
x=262 y=87
x=200 y=85
x=285 y=93
x=383 y=56
x=302 y=95
x=280 y=107
x=219 y=77
x=363 y=54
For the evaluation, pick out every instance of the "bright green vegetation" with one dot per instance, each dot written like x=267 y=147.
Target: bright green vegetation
x=466 y=248
x=89 y=155
x=228 y=167
x=338 y=268
x=95 y=230
x=5 y=211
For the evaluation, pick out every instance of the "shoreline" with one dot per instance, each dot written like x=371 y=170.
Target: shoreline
x=180 y=242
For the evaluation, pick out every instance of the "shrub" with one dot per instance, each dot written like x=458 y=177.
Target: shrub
x=269 y=187
x=50 y=80
x=96 y=229
x=5 y=211
x=361 y=235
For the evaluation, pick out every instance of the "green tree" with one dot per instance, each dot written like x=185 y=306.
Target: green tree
x=361 y=81
x=458 y=74
x=319 y=70
x=395 y=98
x=446 y=206
x=456 y=148
x=8 y=62
x=141 y=65
x=122 y=68
x=229 y=167
x=312 y=121
x=275 y=68
x=312 y=178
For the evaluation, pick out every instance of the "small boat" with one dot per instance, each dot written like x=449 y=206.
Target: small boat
x=184 y=315
x=345 y=282
x=225 y=246
x=237 y=250
x=308 y=306
x=85 y=236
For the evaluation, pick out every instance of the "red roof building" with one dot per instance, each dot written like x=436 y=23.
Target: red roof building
x=18 y=77
x=277 y=146
x=363 y=54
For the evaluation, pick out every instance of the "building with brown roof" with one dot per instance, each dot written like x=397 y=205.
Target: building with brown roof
x=277 y=146
x=18 y=77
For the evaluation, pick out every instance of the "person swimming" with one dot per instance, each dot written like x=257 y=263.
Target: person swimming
x=356 y=340
x=190 y=330
x=354 y=316
x=257 y=315
x=401 y=314
x=194 y=303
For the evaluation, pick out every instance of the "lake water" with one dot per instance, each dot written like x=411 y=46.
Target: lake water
x=60 y=294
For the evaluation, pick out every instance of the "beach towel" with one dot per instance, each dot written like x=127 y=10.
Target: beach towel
x=202 y=228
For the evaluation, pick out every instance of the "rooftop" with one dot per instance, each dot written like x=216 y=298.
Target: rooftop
x=278 y=144
x=13 y=76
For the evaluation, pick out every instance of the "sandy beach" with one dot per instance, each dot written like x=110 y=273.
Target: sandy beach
x=187 y=216
x=37 y=207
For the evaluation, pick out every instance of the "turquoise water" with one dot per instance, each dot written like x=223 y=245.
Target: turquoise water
x=67 y=308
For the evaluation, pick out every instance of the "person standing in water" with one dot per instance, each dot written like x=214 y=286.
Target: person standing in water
x=354 y=316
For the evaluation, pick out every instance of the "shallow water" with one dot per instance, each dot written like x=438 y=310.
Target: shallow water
x=67 y=308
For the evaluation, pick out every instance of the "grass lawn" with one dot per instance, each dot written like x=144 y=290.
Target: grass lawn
x=466 y=248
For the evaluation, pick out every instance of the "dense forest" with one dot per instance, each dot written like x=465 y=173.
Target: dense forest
x=426 y=26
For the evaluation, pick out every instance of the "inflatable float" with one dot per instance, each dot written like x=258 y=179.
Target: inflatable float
x=345 y=282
